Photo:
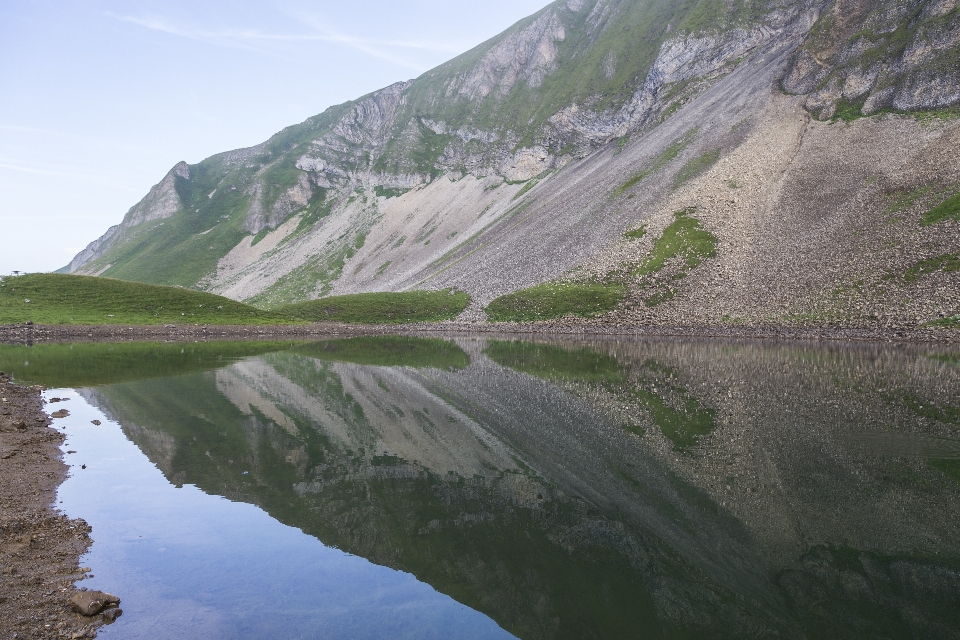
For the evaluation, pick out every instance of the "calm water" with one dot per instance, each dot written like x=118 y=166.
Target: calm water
x=473 y=488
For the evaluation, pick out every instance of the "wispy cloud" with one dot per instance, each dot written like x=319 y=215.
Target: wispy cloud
x=258 y=41
x=67 y=136
x=62 y=172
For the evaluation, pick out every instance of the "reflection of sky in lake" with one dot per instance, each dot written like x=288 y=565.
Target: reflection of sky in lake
x=191 y=565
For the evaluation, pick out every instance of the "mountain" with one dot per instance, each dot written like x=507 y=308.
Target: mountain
x=774 y=160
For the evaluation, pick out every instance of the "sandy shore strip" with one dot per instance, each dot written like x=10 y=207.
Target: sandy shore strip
x=40 y=548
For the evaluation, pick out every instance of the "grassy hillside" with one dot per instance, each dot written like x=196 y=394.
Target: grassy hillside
x=51 y=298
x=599 y=61
x=382 y=307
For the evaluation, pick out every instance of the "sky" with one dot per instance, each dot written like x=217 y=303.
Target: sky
x=99 y=99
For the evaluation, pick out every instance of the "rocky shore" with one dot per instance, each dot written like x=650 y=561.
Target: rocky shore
x=29 y=334
x=40 y=548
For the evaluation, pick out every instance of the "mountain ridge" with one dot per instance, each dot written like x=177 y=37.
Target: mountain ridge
x=417 y=184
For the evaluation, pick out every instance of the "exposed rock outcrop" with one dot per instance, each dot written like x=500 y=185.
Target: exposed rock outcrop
x=162 y=201
x=899 y=56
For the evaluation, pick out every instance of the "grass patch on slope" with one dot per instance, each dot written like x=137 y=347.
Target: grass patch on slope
x=390 y=351
x=556 y=300
x=696 y=166
x=949 y=209
x=947 y=262
x=684 y=245
x=684 y=238
x=659 y=162
x=92 y=364
x=382 y=307
x=72 y=299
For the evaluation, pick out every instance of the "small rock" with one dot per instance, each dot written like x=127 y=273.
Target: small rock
x=90 y=603
x=62 y=413
x=96 y=422
x=83 y=466
x=110 y=615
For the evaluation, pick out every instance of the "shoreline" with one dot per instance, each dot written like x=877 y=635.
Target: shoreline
x=29 y=334
x=40 y=547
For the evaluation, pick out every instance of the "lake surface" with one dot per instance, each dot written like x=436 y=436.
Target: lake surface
x=481 y=488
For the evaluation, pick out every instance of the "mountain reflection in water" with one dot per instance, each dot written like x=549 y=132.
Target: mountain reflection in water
x=610 y=488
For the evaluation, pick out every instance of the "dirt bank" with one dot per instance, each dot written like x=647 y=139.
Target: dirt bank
x=40 y=549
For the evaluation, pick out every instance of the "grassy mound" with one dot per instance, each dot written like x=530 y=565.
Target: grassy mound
x=382 y=307
x=53 y=298
x=551 y=300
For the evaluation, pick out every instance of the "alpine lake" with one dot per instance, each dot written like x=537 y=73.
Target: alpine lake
x=492 y=487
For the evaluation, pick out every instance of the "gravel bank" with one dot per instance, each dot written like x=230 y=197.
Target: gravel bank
x=40 y=548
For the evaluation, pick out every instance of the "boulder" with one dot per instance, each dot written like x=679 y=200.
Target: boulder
x=89 y=603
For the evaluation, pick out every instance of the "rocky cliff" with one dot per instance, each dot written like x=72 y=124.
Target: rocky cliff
x=526 y=158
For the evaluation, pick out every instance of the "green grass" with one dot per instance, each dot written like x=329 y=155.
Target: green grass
x=260 y=236
x=93 y=364
x=389 y=192
x=530 y=184
x=684 y=238
x=555 y=363
x=659 y=162
x=71 y=299
x=684 y=244
x=696 y=166
x=902 y=200
x=681 y=417
x=949 y=209
x=382 y=307
x=848 y=111
x=949 y=323
x=683 y=425
x=946 y=413
x=949 y=468
x=636 y=234
x=947 y=262
x=390 y=351
x=317 y=273
x=555 y=300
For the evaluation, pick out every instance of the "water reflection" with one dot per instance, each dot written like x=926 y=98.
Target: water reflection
x=596 y=489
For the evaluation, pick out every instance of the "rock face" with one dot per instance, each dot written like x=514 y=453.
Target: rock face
x=416 y=185
x=162 y=201
x=879 y=55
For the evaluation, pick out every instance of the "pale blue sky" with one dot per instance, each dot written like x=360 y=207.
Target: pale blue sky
x=99 y=98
